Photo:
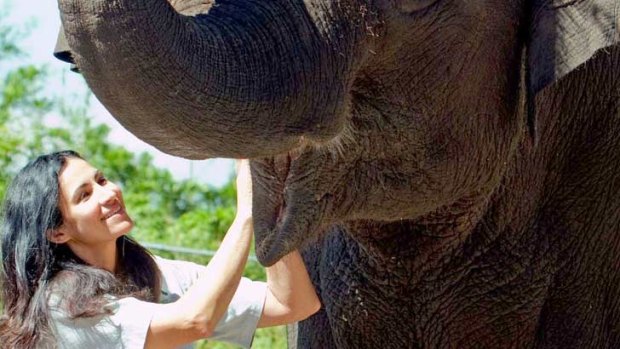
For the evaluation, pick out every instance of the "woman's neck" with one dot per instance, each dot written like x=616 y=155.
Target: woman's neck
x=103 y=256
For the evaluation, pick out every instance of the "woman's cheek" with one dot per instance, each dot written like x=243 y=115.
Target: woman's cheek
x=90 y=213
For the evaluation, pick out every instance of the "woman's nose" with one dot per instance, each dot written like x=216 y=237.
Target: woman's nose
x=107 y=196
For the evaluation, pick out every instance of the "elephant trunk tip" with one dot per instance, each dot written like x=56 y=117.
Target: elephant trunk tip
x=270 y=249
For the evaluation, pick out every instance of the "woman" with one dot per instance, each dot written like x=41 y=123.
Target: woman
x=73 y=279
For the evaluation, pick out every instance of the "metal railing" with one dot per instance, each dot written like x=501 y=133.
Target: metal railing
x=186 y=250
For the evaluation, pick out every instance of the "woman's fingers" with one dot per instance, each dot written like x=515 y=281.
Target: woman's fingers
x=239 y=163
x=244 y=187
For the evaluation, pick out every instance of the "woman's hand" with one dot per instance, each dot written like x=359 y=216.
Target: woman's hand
x=244 y=189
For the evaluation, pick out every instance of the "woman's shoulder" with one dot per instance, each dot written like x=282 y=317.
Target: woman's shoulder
x=124 y=324
x=177 y=275
x=175 y=263
x=178 y=268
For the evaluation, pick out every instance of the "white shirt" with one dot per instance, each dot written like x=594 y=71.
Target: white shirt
x=128 y=324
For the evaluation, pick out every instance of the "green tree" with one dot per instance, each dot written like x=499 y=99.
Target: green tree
x=20 y=97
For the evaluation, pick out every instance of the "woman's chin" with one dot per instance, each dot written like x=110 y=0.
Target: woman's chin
x=124 y=228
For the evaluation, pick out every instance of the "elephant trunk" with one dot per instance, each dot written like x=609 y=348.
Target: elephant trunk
x=238 y=79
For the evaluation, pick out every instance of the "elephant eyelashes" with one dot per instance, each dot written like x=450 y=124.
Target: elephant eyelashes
x=411 y=6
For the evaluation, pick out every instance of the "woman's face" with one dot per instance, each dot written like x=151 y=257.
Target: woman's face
x=92 y=207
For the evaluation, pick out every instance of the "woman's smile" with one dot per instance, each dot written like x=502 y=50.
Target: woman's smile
x=116 y=211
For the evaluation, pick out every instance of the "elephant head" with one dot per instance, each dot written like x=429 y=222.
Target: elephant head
x=351 y=110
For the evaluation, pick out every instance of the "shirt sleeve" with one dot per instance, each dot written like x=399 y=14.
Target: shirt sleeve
x=241 y=318
x=126 y=327
x=239 y=323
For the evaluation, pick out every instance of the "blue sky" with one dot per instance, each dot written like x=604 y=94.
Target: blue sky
x=42 y=18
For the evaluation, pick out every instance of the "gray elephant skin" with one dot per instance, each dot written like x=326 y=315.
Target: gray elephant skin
x=450 y=169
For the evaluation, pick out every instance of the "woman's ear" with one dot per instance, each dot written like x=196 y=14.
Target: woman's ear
x=58 y=235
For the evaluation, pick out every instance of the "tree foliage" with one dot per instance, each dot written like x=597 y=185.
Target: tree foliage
x=166 y=211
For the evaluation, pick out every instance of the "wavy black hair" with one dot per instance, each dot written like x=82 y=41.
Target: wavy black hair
x=33 y=268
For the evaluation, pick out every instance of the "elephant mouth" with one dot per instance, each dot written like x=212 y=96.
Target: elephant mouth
x=286 y=213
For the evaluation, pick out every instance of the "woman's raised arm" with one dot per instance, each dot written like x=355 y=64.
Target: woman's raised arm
x=195 y=315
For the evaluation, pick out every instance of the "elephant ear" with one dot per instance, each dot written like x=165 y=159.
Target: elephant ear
x=563 y=35
x=62 y=50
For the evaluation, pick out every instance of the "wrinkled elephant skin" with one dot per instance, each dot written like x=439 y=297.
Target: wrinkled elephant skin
x=450 y=169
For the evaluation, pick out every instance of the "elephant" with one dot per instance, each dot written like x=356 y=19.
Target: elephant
x=449 y=169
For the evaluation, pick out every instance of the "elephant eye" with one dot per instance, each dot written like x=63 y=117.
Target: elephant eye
x=411 y=6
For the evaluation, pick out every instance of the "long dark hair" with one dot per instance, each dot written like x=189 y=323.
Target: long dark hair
x=33 y=268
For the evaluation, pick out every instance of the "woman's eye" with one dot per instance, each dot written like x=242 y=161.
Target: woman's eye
x=102 y=181
x=84 y=195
